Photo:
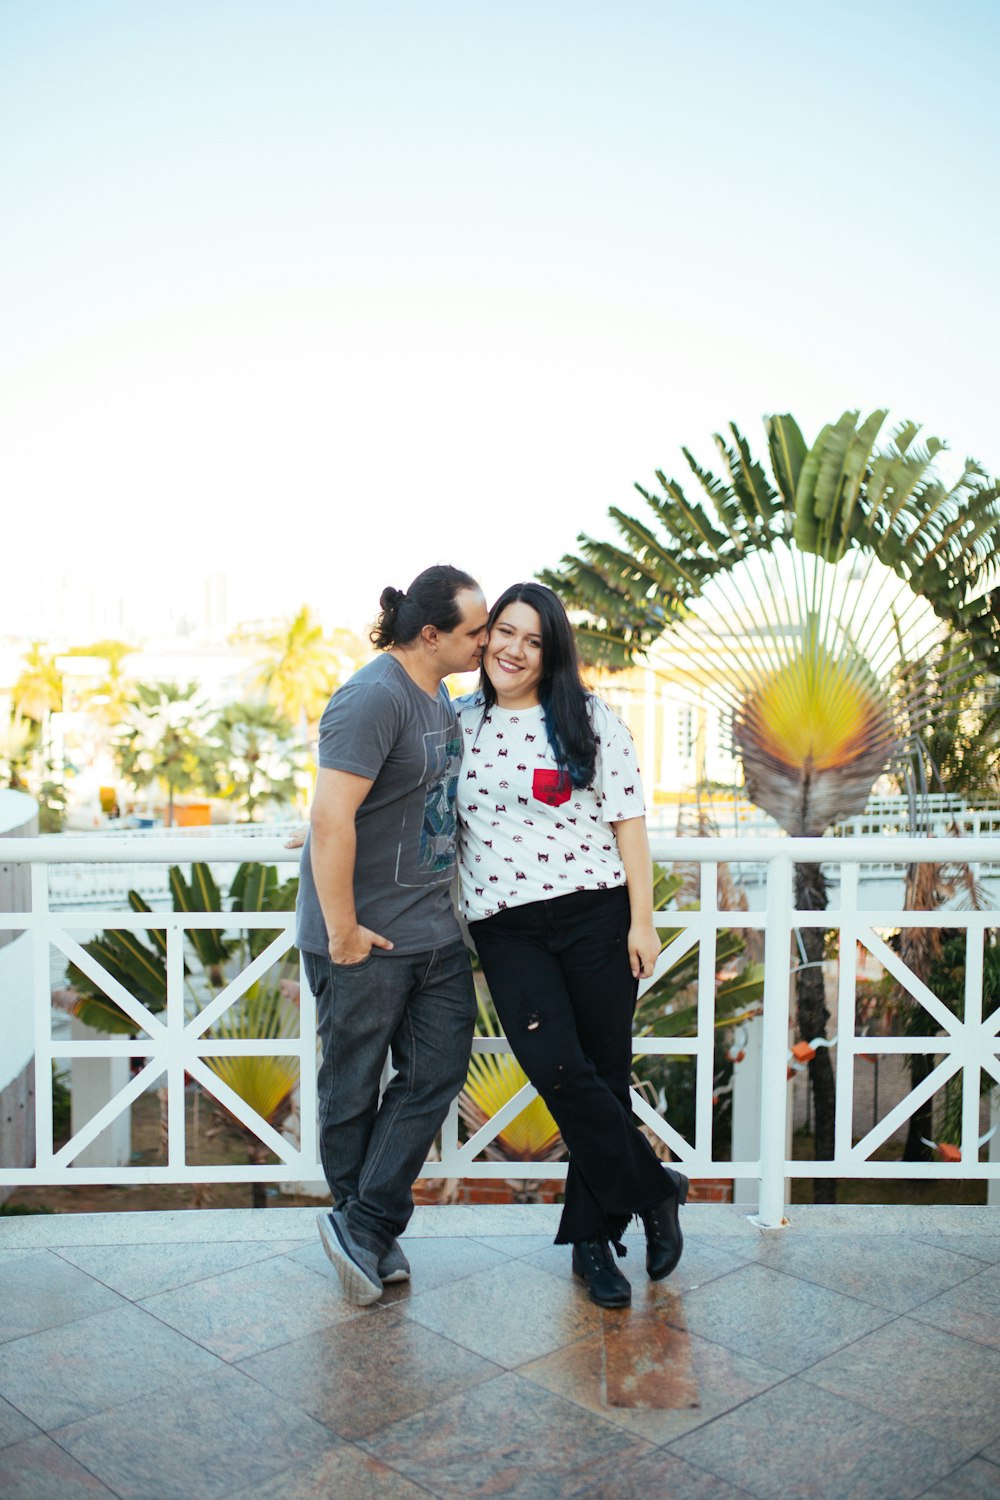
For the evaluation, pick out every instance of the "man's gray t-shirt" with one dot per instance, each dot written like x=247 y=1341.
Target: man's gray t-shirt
x=382 y=726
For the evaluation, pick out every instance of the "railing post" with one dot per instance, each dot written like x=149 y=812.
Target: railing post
x=748 y=1090
x=774 y=1087
x=42 y=989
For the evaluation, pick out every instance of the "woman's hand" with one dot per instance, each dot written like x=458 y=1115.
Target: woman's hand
x=296 y=839
x=643 y=948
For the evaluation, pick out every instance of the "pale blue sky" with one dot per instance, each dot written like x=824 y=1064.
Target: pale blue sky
x=318 y=293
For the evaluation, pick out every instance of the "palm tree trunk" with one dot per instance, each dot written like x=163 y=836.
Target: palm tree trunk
x=811 y=1017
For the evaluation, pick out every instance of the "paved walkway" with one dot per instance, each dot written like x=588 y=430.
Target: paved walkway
x=209 y=1356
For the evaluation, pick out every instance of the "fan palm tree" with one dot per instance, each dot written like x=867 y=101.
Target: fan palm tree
x=799 y=597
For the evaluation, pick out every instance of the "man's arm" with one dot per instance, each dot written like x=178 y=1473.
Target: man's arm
x=332 y=850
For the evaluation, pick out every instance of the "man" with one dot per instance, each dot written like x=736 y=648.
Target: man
x=379 y=939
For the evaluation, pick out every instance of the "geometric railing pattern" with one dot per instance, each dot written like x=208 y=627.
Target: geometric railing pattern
x=174 y=1043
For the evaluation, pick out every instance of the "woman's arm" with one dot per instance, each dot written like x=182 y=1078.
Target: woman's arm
x=643 y=938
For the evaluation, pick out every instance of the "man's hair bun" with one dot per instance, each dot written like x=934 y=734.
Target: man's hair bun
x=391 y=599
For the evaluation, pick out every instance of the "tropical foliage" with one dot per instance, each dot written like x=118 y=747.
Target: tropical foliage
x=212 y=958
x=18 y=744
x=162 y=743
x=298 y=665
x=26 y=760
x=38 y=690
x=253 y=757
x=802 y=597
x=212 y=955
x=108 y=701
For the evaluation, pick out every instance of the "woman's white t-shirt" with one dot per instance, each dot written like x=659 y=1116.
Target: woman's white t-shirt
x=525 y=832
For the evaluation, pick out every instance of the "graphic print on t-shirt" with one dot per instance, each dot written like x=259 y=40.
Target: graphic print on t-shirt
x=527 y=834
x=551 y=787
x=427 y=856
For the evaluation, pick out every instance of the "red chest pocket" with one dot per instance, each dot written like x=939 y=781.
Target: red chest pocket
x=551 y=787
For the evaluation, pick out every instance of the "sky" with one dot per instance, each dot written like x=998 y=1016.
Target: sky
x=310 y=295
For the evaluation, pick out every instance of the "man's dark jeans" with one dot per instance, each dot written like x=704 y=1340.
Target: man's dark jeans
x=420 y=1008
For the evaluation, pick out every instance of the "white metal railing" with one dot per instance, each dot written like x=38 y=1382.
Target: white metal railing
x=173 y=1042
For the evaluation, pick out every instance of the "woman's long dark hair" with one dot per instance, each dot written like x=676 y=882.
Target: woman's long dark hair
x=430 y=600
x=561 y=692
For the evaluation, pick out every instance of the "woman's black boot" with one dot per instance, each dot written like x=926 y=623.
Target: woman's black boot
x=664 y=1241
x=605 y=1283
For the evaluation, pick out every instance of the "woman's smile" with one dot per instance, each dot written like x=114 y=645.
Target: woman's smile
x=512 y=659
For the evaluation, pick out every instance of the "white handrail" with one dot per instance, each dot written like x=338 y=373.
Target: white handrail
x=174 y=1045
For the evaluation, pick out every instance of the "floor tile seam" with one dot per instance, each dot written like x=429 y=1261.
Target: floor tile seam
x=57 y=1251
x=740 y=1489
x=67 y=1322
x=468 y=1349
x=358 y=1445
x=955 y=1250
x=517 y=1370
x=498 y=1369
x=39 y=1431
x=189 y=1337
x=156 y=1392
x=241 y=1360
x=951 y=1472
x=786 y=1378
x=504 y=1265
x=241 y=1366
x=535 y=1388
x=481 y=1239
x=180 y=1383
x=837 y=1292
x=168 y=1291
x=561 y=1349
x=457 y=1279
x=980 y=1268
x=711 y=1276
x=966 y=1338
x=274 y=1396
x=650 y=1447
x=54 y=1435
x=859 y=1399
x=623 y=1424
x=388 y=1464
x=163 y=1290
x=849 y=1343
x=907 y=1316
x=740 y=1353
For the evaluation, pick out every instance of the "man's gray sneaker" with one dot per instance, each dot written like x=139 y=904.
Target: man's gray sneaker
x=394 y=1265
x=356 y=1266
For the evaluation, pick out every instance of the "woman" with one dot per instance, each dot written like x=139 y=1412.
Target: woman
x=556 y=886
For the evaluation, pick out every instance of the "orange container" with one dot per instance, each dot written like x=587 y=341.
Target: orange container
x=194 y=815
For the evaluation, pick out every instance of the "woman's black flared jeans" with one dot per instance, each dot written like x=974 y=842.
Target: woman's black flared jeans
x=560 y=979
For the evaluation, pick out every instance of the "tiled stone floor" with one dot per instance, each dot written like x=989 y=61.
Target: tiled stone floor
x=208 y=1356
